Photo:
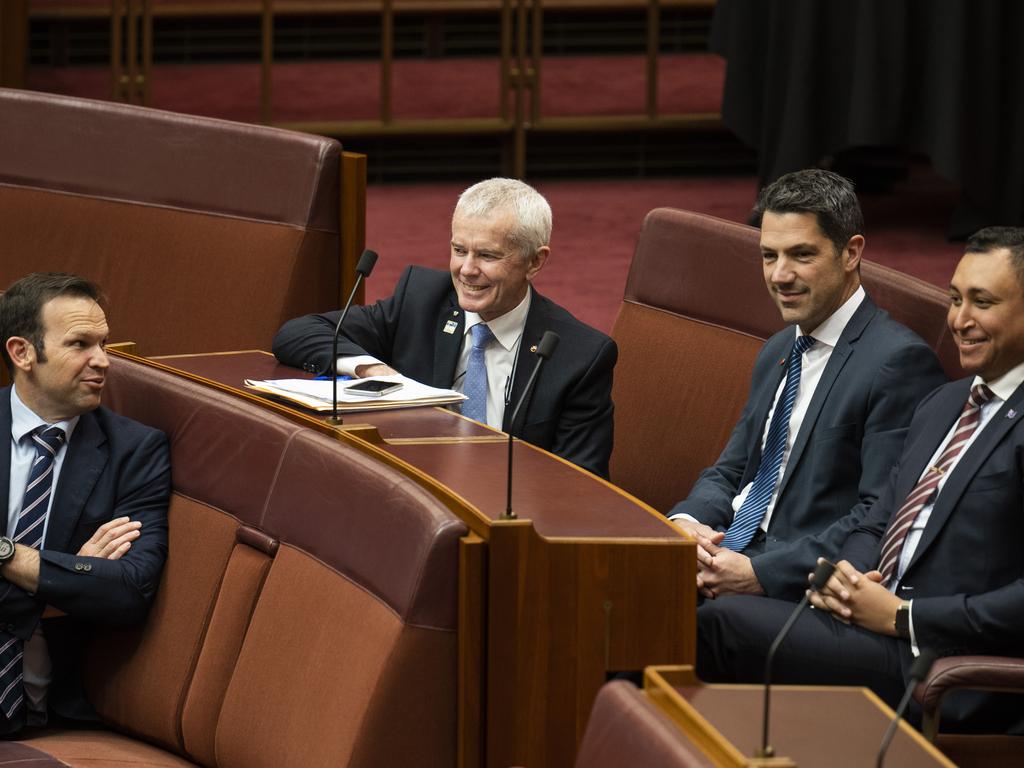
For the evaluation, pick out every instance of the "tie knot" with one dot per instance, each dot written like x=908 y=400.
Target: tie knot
x=48 y=439
x=980 y=394
x=801 y=345
x=482 y=335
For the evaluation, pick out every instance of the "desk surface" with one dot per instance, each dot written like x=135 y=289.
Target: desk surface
x=810 y=725
x=470 y=459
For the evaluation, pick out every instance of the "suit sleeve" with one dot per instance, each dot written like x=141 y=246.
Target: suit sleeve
x=585 y=430
x=986 y=623
x=96 y=589
x=118 y=591
x=306 y=342
x=909 y=374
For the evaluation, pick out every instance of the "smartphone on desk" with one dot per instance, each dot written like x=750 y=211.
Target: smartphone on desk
x=374 y=387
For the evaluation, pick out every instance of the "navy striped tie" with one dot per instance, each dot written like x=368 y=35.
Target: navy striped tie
x=751 y=512
x=28 y=531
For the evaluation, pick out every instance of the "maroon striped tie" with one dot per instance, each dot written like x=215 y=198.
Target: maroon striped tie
x=896 y=535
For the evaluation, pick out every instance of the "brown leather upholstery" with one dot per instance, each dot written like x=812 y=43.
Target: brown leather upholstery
x=625 y=729
x=989 y=673
x=206 y=234
x=694 y=315
x=307 y=612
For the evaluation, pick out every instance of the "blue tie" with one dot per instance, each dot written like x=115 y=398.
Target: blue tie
x=751 y=512
x=28 y=531
x=476 y=375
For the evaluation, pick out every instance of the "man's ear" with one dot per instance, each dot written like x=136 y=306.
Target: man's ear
x=852 y=253
x=537 y=261
x=21 y=352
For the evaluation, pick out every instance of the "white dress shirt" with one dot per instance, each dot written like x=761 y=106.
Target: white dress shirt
x=36 y=667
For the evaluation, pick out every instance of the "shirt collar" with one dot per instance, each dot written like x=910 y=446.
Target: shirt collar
x=24 y=420
x=1005 y=385
x=830 y=330
x=508 y=328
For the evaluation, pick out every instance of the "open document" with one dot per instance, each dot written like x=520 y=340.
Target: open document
x=316 y=394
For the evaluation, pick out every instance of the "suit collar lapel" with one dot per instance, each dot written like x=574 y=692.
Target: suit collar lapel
x=5 y=455
x=85 y=460
x=449 y=330
x=1005 y=419
x=836 y=362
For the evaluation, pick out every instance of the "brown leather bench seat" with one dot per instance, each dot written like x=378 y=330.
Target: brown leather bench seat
x=206 y=234
x=307 y=611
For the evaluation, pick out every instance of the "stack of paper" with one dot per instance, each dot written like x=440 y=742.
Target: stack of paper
x=315 y=394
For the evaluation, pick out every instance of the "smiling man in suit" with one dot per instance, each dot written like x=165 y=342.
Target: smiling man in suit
x=85 y=534
x=475 y=328
x=830 y=399
x=938 y=561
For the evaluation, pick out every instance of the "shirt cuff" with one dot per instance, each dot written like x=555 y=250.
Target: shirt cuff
x=684 y=516
x=913 y=638
x=346 y=366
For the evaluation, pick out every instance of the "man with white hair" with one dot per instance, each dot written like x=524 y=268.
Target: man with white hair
x=475 y=330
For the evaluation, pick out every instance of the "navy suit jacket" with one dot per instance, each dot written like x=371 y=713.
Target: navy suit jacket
x=966 y=577
x=850 y=437
x=114 y=467
x=570 y=411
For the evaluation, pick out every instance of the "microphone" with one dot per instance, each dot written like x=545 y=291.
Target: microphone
x=363 y=270
x=546 y=348
x=822 y=573
x=918 y=672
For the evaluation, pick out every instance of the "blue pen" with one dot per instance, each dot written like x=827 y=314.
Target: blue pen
x=328 y=378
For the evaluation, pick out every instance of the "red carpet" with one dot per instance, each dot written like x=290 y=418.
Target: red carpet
x=596 y=224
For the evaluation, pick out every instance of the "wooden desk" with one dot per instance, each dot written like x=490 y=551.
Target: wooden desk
x=588 y=581
x=810 y=725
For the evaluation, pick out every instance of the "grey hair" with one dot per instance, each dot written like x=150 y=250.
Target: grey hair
x=532 y=227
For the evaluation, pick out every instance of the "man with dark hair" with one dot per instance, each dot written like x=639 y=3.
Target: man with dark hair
x=830 y=399
x=85 y=534
x=937 y=561
x=475 y=328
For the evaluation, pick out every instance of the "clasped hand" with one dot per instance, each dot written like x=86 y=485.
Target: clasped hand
x=858 y=598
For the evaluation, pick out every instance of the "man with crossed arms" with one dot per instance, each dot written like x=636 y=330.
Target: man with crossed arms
x=938 y=561
x=830 y=399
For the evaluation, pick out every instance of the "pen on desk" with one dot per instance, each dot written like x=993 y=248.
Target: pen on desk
x=328 y=378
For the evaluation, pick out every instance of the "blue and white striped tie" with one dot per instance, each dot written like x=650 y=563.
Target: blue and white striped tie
x=476 y=374
x=751 y=512
x=28 y=531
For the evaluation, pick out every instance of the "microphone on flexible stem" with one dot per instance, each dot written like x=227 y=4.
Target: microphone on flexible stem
x=546 y=347
x=822 y=573
x=918 y=672
x=363 y=269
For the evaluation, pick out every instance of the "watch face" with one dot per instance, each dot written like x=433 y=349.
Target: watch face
x=6 y=549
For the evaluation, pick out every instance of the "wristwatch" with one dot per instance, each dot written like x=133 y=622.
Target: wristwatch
x=902 y=623
x=6 y=549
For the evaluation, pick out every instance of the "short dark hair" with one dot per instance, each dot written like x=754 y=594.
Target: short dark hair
x=829 y=196
x=21 y=306
x=995 y=238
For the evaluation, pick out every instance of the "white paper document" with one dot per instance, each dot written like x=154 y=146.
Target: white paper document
x=316 y=394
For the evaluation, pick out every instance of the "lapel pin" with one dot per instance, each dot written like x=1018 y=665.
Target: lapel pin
x=450 y=326
x=533 y=349
x=782 y=361
x=1011 y=414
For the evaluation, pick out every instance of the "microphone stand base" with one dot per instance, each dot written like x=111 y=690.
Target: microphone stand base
x=335 y=421
x=508 y=515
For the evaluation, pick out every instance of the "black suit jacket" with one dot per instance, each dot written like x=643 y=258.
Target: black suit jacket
x=849 y=439
x=966 y=577
x=570 y=411
x=114 y=467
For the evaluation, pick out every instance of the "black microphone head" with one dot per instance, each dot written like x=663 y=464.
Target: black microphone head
x=548 y=343
x=922 y=664
x=366 y=262
x=822 y=573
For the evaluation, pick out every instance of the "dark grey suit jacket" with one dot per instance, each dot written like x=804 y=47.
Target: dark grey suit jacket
x=114 y=467
x=570 y=411
x=849 y=439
